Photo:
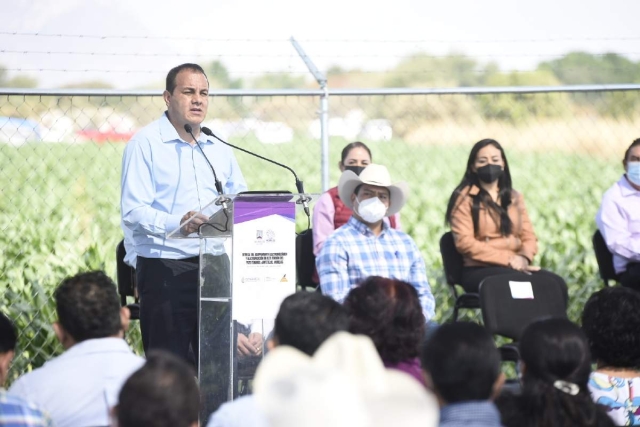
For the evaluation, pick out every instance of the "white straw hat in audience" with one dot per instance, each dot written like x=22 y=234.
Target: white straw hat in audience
x=344 y=384
x=377 y=175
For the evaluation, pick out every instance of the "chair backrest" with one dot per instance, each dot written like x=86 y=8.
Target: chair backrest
x=507 y=316
x=604 y=258
x=125 y=274
x=451 y=259
x=305 y=259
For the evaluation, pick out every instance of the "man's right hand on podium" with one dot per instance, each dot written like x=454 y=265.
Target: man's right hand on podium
x=194 y=225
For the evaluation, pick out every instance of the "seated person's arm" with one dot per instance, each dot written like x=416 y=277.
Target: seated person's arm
x=323 y=226
x=466 y=242
x=333 y=270
x=529 y=242
x=615 y=229
x=418 y=279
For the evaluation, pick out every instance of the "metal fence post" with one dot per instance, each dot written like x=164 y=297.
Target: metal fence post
x=324 y=112
x=324 y=133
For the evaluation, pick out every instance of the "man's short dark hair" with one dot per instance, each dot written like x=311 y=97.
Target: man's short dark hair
x=635 y=143
x=463 y=362
x=173 y=73
x=88 y=306
x=163 y=393
x=611 y=321
x=7 y=334
x=306 y=319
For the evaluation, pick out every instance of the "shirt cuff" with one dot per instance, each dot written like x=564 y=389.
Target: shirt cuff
x=173 y=222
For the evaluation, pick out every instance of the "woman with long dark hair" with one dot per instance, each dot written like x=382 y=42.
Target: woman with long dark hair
x=555 y=365
x=489 y=220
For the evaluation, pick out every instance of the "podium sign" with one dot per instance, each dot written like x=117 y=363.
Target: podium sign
x=264 y=266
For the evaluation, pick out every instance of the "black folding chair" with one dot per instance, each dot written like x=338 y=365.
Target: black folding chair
x=507 y=316
x=452 y=261
x=604 y=258
x=305 y=260
x=126 y=282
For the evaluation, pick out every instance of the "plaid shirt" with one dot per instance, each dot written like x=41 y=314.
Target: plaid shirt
x=353 y=253
x=15 y=412
x=470 y=414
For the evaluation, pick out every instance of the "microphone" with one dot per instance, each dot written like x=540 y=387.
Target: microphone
x=299 y=184
x=189 y=129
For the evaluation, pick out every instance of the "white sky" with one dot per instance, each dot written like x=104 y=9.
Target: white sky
x=150 y=36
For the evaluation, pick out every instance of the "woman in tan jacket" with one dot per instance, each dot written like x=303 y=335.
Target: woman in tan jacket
x=489 y=220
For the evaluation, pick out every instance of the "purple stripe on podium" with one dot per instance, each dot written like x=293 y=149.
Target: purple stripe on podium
x=248 y=211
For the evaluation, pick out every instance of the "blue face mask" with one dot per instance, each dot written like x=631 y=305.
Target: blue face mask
x=633 y=172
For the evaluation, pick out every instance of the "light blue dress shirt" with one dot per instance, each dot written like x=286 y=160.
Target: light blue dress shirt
x=79 y=387
x=353 y=253
x=163 y=178
x=242 y=412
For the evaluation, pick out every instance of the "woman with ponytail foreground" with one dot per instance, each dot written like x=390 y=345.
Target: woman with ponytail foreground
x=555 y=365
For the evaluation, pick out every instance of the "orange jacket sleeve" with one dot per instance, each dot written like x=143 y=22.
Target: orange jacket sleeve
x=529 y=246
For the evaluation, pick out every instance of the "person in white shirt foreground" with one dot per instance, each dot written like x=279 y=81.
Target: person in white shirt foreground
x=79 y=387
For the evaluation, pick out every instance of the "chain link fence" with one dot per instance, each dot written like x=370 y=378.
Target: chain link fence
x=61 y=159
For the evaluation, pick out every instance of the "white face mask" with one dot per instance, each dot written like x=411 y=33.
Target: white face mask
x=633 y=172
x=371 y=210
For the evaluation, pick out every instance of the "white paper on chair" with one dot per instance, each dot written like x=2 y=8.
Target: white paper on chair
x=521 y=290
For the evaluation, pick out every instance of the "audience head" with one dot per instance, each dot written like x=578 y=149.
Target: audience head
x=8 y=340
x=631 y=163
x=343 y=384
x=487 y=152
x=556 y=364
x=355 y=157
x=88 y=307
x=389 y=312
x=553 y=350
x=632 y=148
x=611 y=321
x=163 y=393
x=462 y=363
x=306 y=319
x=487 y=163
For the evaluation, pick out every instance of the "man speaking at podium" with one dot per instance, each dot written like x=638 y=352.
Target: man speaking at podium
x=166 y=179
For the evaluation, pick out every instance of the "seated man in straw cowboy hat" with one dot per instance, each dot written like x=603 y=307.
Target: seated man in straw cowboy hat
x=366 y=246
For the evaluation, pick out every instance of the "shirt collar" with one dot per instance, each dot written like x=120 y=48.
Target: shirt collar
x=477 y=408
x=626 y=189
x=168 y=133
x=98 y=345
x=363 y=228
